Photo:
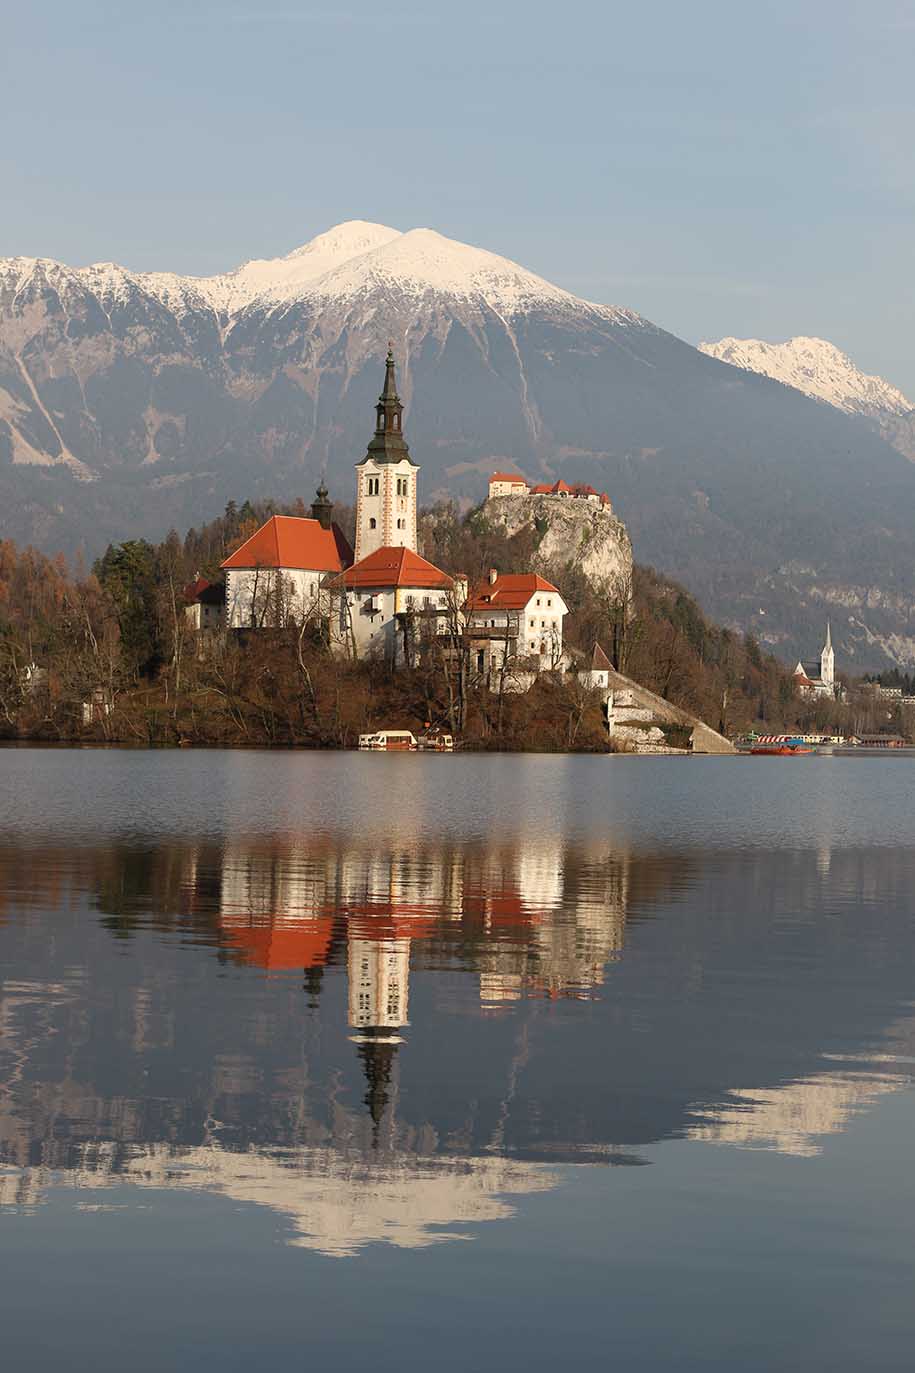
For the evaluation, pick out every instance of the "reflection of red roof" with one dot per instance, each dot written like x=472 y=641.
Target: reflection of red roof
x=394 y=567
x=508 y=477
x=282 y=944
x=295 y=542
x=510 y=591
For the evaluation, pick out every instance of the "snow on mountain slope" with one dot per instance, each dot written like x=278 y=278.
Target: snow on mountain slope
x=422 y=261
x=816 y=367
x=347 y=262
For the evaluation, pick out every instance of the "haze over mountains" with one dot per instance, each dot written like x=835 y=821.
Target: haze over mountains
x=130 y=402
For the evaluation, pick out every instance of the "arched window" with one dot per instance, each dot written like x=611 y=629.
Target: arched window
x=373 y=523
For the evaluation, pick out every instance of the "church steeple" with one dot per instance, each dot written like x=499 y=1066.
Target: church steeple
x=388 y=443
x=386 y=477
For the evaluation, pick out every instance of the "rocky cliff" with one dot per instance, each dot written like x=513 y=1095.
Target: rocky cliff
x=569 y=532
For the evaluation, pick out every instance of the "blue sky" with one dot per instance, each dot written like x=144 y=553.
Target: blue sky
x=723 y=168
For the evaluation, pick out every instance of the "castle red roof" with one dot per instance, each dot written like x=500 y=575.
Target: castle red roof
x=508 y=477
x=295 y=542
x=394 y=567
x=510 y=591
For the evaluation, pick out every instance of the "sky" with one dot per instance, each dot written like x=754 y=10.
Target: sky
x=721 y=168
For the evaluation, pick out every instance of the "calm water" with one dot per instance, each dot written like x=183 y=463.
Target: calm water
x=456 y=1062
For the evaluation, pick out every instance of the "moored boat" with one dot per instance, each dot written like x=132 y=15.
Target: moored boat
x=390 y=741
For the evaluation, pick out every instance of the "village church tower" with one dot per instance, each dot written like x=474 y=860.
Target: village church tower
x=386 y=478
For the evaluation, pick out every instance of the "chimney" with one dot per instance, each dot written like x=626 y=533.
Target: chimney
x=493 y=576
x=321 y=508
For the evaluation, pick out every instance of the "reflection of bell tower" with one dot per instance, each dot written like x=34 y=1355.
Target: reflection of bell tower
x=378 y=971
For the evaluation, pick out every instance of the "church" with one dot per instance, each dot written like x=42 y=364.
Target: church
x=382 y=598
x=818 y=678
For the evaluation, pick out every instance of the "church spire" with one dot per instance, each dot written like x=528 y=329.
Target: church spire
x=388 y=443
x=828 y=643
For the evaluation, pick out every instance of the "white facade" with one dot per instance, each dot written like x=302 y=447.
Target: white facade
x=369 y=621
x=532 y=631
x=503 y=485
x=258 y=597
x=379 y=982
x=385 y=505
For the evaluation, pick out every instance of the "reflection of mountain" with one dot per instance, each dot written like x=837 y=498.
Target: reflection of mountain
x=333 y=1203
x=794 y=1118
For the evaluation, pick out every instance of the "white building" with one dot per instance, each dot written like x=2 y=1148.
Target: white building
x=516 y=616
x=276 y=575
x=386 y=479
x=818 y=678
x=507 y=484
x=389 y=604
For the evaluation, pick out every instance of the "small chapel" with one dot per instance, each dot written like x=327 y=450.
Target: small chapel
x=818 y=678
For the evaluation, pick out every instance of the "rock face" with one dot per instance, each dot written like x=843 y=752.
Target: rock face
x=132 y=402
x=569 y=532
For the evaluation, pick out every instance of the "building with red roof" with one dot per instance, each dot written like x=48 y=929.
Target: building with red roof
x=499 y=486
x=276 y=575
x=515 y=617
x=507 y=484
x=389 y=603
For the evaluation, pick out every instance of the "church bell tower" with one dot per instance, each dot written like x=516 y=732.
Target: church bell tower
x=386 y=478
x=828 y=661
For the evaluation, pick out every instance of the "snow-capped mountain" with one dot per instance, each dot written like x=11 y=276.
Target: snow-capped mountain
x=131 y=402
x=817 y=368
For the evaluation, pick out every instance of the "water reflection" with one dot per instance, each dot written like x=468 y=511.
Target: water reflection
x=381 y=1039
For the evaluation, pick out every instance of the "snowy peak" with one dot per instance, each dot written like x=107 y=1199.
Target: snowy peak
x=423 y=261
x=344 y=264
x=285 y=278
x=816 y=367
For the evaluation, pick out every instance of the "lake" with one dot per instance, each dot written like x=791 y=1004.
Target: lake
x=412 y=1061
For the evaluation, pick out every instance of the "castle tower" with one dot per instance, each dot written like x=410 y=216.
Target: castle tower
x=828 y=661
x=386 y=478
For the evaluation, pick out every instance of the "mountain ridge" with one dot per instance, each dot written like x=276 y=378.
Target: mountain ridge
x=130 y=402
x=817 y=368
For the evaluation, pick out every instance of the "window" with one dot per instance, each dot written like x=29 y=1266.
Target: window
x=373 y=523
x=533 y=624
x=538 y=600
x=402 y=486
x=401 y=524
x=371 y=486
x=549 y=600
x=396 y=421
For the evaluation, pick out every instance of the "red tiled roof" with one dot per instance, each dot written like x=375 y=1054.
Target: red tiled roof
x=281 y=945
x=542 y=489
x=394 y=567
x=510 y=591
x=295 y=542
x=508 y=477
